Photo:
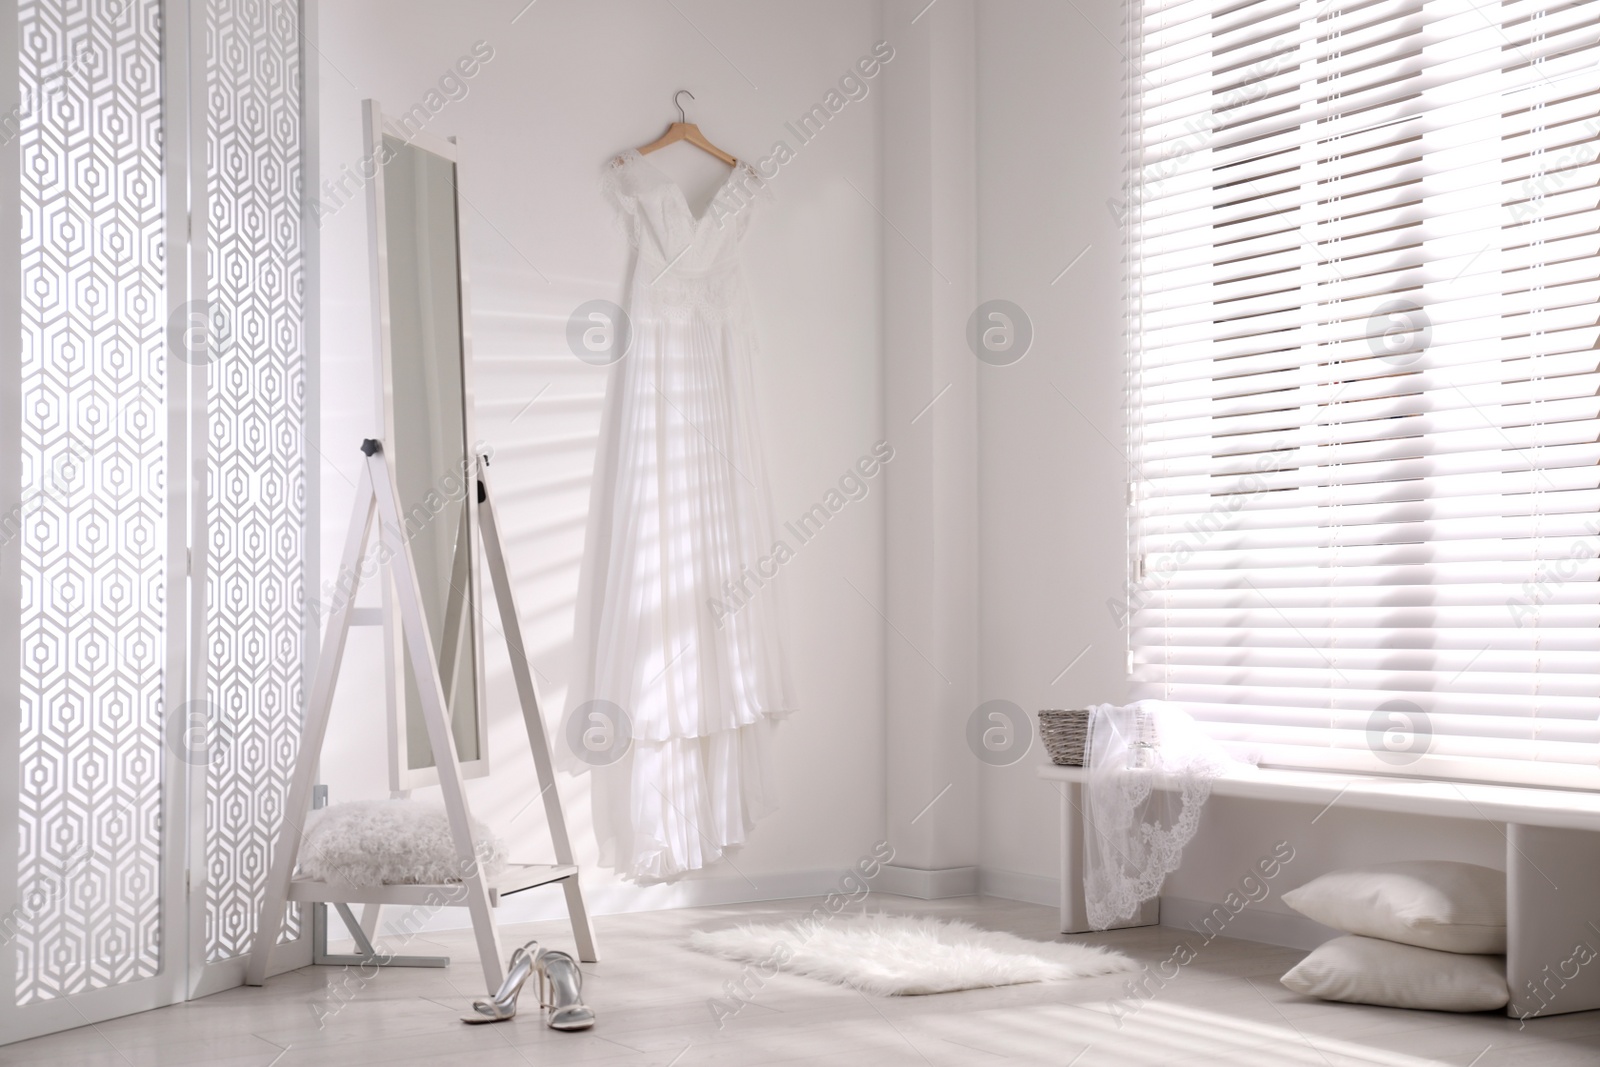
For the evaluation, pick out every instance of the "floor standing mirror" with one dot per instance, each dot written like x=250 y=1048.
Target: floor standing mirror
x=424 y=509
x=425 y=396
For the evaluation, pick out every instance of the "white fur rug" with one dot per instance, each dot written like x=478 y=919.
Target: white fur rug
x=902 y=955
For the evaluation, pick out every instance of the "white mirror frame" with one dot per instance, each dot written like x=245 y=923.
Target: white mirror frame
x=402 y=776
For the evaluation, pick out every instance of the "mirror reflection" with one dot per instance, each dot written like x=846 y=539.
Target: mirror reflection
x=427 y=432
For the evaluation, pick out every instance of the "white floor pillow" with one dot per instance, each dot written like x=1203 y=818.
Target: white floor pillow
x=390 y=842
x=1454 y=907
x=1364 y=970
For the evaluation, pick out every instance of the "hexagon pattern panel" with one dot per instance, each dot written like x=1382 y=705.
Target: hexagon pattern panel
x=93 y=528
x=256 y=482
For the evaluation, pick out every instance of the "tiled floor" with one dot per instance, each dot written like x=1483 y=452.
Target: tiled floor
x=652 y=996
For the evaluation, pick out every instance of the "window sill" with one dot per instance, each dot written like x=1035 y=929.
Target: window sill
x=1524 y=805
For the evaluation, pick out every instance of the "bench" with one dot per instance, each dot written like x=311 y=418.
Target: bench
x=1552 y=864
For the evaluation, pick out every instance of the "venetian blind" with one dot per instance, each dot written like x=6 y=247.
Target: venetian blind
x=1365 y=383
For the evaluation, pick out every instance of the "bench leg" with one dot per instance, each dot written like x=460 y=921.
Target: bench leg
x=1074 y=912
x=1552 y=920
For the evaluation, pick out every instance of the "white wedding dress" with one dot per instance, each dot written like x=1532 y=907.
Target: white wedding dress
x=683 y=638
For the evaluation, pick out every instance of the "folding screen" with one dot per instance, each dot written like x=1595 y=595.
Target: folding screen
x=156 y=526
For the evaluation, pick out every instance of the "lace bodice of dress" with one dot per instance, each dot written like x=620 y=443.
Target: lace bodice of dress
x=687 y=264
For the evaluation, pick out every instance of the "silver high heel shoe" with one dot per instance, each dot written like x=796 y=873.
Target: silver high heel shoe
x=561 y=991
x=503 y=1005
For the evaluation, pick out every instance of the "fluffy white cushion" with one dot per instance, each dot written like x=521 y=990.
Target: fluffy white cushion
x=390 y=842
x=1454 y=907
x=1364 y=970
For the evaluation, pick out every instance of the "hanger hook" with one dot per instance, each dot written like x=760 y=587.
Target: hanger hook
x=681 y=116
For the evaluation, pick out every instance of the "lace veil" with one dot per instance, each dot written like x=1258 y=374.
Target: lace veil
x=1135 y=832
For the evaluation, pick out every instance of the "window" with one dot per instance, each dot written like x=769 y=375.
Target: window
x=1364 y=299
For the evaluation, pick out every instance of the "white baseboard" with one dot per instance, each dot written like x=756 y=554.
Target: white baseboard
x=1252 y=924
x=1015 y=885
x=928 y=884
x=549 y=902
x=1283 y=929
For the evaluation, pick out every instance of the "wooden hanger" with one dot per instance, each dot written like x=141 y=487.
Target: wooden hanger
x=684 y=130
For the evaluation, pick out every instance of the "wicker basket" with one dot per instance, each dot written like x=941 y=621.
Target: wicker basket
x=1066 y=735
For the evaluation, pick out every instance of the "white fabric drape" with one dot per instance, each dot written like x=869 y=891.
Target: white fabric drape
x=685 y=617
x=1150 y=773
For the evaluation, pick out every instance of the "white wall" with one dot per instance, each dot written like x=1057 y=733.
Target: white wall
x=930 y=394
x=1052 y=471
x=1051 y=465
x=570 y=84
